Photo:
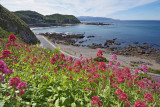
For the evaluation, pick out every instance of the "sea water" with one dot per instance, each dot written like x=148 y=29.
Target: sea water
x=126 y=32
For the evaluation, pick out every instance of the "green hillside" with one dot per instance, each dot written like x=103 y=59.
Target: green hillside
x=33 y=18
x=4 y=34
x=30 y=16
x=63 y=18
x=11 y=23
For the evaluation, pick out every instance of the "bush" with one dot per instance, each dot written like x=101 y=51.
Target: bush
x=101 y=59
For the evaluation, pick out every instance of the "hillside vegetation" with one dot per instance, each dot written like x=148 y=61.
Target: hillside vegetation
x=11 y=23
x=33 y=18
x=4 y=34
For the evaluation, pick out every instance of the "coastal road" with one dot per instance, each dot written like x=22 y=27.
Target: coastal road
x=47 y=44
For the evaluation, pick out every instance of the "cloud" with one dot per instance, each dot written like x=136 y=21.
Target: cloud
x=75 y=7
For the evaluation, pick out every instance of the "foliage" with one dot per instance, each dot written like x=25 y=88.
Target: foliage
x=34 y=76
x=100 y=59
x=156 y=71
x=4 y=34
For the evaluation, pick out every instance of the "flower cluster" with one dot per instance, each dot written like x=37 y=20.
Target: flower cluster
x=12 y=38
x=139 y=104
x=144 y=68
x=96 y=100
x=14 y=82
x=122 y=96
x=148 y=97
x=17 y=84
x=99 y=53
x=6 y=53
x=4 y=69
x=54 y=58
x=114 y=57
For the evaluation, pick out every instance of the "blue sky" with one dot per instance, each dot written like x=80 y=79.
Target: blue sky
x=117 y=9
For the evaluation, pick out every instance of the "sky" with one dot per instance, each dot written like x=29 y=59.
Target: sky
x=117 y=9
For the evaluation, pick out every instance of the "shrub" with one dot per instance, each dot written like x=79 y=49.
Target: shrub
x=100 y=59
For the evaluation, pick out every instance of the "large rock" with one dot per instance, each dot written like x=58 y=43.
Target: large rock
x=11 y=23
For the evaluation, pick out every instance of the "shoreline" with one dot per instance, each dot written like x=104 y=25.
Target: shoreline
x=124 y=60
x=36 y=27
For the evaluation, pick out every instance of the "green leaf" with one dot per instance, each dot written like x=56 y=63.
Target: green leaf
x=73 y=105
x=2 y=103
x=63 y=99
x=34 y=104
x=86 y=98
x=57 y=103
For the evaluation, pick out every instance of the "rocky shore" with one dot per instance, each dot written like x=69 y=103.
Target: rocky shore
x=96 y=24
x=63 y=38
x=112 y=46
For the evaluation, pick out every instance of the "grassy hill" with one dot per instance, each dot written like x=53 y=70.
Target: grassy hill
x=63 y=18
x=33 y=18
x=11 y=23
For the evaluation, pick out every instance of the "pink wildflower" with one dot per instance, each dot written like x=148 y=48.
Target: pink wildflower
x=114 y=57
x=22 y=85
x=99 y=53
x=96 y=100
x=127 y=103
x=148 y=97
x=144 y=68
x=52 y=60
x=6 y=53
x=14 y=81
x=71 y=77
x=139 y=104
x=119 y=92
x=12 y=38
x=21 y=93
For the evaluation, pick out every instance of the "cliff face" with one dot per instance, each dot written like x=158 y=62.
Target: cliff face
x=11 y=23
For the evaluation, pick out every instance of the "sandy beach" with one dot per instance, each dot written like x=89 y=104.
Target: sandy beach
x=124 y=60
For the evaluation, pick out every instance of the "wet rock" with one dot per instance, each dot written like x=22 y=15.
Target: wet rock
x=75 y=36
x=117 y=43
x=96 y=24
x=67 y=39
x=140 y=63
x=141 y=51
x=113 y=48
x=109 y=42
x=136 y=42
x=76 y=45
x=90 y=36
x=94 y=46
x=82 y=41
x=144 y=46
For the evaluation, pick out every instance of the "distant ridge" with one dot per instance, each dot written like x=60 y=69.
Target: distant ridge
x=33 y=18
x=11 y=23
x=90 y=18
